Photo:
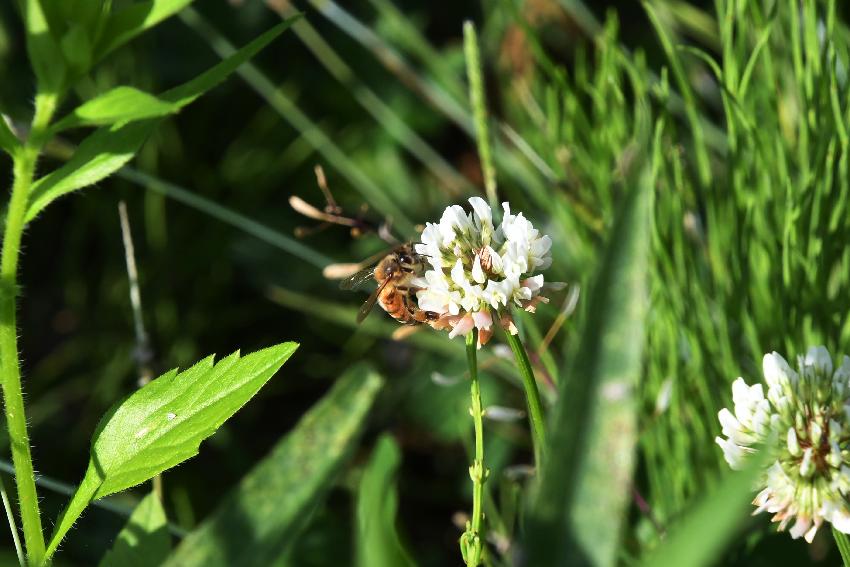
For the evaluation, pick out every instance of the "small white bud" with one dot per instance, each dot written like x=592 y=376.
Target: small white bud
x=807 y=466
x=793 y=444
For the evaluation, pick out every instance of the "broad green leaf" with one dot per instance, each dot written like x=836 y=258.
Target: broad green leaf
x=144 y=541
x=701 y=535
x=583 y=495
x=265 y=513
x=8 y=142
x=125 y=24
x=43 y=50
x=162 y=424
x=378 y=544
x=110 y=147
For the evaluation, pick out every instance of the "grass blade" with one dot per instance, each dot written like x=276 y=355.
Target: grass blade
x=259 y=520
x=584 y=484
x=700 y=537
x=144 y=541
x=378 y=543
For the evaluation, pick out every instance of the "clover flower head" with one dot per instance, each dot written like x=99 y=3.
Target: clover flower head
x=477 y=269
x=804 y=421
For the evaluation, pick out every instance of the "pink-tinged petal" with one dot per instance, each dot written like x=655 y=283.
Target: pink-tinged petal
x=483 y=319
x=462 y=327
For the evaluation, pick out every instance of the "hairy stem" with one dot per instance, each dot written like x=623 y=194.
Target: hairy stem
x=10 y=370
x=471 y=542
x=532 y=396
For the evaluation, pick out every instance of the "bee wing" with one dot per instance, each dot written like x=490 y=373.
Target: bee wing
x=367 y=306
x=358 y=279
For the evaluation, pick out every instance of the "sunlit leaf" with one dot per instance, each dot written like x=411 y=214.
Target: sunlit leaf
x=583 y=494
x=162 y=424
x=144 y=541
x=116 y=105
x=265 y=513
x=378 y=543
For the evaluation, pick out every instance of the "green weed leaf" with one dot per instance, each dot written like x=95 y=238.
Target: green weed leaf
x=116 y=105
x=144 y=541
x=378 y=543
x=110 y=147
x=162 y=424
x=263 y=516
x=583 y=493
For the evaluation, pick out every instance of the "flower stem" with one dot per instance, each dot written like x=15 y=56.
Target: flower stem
x=471 y=542
x=843 y=542
x=10 y=370
x=532 y=396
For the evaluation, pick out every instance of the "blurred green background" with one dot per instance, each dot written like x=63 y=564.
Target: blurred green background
x=374 y=91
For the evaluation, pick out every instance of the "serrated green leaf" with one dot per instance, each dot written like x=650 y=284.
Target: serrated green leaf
x=43 y=50
x=144 y=541
x=583 y=495
x=109 y=148
x=162 y=424
x=125 y=24
x=378 y=543
x=8 y=142
x=260 y=519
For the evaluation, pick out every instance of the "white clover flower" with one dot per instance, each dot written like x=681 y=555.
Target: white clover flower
x=804 y=421
x=477 y=270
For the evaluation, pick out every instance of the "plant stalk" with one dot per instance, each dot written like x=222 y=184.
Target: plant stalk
x=532 y=396
x=471 y=542
x=10 y=371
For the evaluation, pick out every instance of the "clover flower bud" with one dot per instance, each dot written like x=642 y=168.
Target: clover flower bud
x=801 y=422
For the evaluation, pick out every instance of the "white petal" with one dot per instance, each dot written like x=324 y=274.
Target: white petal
x=478 y=273
x=776 y=371
x=818 y=357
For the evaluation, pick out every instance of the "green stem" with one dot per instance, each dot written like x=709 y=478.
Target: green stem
x=532 y=396
x=843 y=543
x=471 y=542
x=10 y=370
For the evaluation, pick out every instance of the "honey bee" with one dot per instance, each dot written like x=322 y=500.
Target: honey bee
x=395 y=293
